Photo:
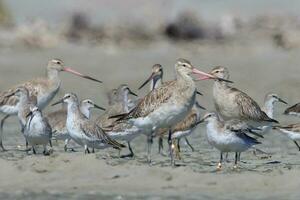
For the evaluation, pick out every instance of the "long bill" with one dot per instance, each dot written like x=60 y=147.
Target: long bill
x=149 y=79
x=58 y=102
x=99 y=107
x=72 y=71
x=205 y=76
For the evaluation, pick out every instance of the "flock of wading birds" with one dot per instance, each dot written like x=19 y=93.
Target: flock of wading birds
x=169 y=111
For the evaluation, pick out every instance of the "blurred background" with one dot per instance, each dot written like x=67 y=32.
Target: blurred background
x=119 y=41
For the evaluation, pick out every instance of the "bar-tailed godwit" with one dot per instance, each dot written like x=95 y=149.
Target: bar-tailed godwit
x=44 y=88
x=168 y=104
x=232 y=103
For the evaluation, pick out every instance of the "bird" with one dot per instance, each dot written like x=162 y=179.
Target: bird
x=268 y=108
x=44 y=88
x=37 y=130
x=292 y=131
x=293 y=110
x=166 y=105
x=25 y=103
x=232 y=103
x=156 y=80
x=224 y=139
x=118 y=103
x=58 y=118
x=83 y=131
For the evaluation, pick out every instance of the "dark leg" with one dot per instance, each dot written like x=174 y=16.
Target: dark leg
x=33 y=150
x=171 y=147
x=93 y=150
x=160 y=144
x=297 y=145
x=149 y=141
x=178 y=145
x=131 y=154
x=188 y=143
x=50 y=143
x=220 y=162
x=237 y=155
x=86 y=149
x=1 y=131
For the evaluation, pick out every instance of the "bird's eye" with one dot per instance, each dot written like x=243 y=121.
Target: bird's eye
x=184 y=65
x=58 y=62
x=217 y=71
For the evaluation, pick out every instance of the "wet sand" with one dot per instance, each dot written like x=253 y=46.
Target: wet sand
x=256 y=68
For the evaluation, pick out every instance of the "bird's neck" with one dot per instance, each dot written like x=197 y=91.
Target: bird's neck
x=85 y=111
x=155 y=83
x=269 y=108
x=220 y=89
x=73 y=110
x=124 y=102
x=52 y=75
x=186 y=84
x=214 y=125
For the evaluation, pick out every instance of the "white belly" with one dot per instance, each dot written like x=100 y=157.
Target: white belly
x=291 y=134
x=165 y=116
x=126 y=134
x=35 y=134
x=226 y=142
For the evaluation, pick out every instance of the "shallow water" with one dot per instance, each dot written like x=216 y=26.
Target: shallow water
x=255 y=68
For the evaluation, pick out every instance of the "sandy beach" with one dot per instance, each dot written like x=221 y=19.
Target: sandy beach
x=255 y=68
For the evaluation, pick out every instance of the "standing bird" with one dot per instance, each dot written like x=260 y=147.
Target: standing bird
x=292 y=131
x=25 y=103
x=166 y=105
x=37 y=130
x=118 y=100
x=293 y=110
x=44 y=88
x=156 y=80
x=83 y=131
x=268 y=108
x=232 y=103
x=57 y=120
x=224 y=139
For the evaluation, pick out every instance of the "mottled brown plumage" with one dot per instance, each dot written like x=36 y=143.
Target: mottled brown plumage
x=293 y=110
x=152 y=100
x=232 y=103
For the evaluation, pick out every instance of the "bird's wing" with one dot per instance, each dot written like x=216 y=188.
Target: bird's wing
x=292 y=127
x=150 y=102
x=92 y=130
x=249 y=109
x=293 y=109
